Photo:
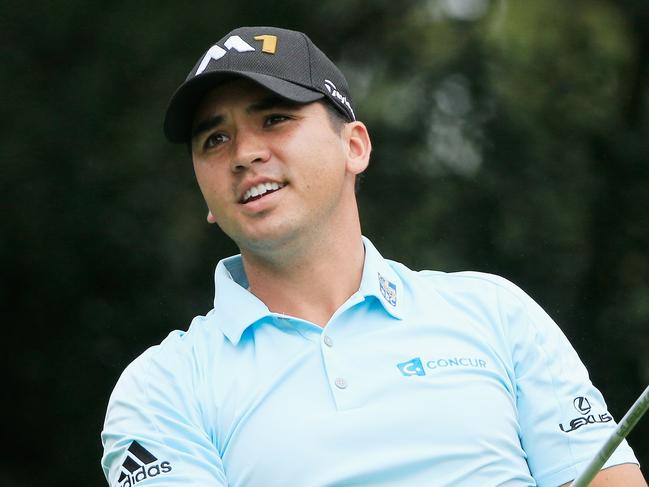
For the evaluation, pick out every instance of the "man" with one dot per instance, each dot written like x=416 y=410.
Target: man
x=322 y=363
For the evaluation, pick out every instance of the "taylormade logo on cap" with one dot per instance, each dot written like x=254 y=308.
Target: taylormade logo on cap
x=333 y=91
x=283 y=61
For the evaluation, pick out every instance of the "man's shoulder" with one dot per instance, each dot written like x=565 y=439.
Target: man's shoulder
x=461 y=281
x=470 y=280
x=463 y=290
x=175 y=356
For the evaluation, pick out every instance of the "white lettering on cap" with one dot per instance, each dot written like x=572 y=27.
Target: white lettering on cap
x=238 y=44
x=331 y=88
x=215 y=52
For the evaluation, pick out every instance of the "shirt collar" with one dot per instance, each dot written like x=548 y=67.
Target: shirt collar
x=380 y=280
x=236 y=308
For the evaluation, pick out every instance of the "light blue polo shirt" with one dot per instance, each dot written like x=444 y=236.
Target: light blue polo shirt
x=419 y=379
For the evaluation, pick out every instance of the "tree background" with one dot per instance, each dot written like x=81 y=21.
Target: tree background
x=509 y=137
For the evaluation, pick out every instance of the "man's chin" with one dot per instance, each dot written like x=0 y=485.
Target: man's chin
x=271 y=241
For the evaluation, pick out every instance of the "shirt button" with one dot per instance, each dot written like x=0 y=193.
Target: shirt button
x=328 y=341
x=340 y=383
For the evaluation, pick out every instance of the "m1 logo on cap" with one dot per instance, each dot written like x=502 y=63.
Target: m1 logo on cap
x=269 y=46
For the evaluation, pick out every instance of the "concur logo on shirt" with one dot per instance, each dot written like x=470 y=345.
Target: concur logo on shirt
x=416 y=367
x=412 y=367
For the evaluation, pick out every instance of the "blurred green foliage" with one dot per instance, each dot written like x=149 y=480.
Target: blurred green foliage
x=509 y=137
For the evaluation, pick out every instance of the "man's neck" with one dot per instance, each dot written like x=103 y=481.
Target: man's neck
x=313 y=284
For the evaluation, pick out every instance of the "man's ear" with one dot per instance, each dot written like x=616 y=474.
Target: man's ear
x=358 y=146
x=210 y=218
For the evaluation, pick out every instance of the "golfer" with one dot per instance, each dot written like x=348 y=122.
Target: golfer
x=321 y=362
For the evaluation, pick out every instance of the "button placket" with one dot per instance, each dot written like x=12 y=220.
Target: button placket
x=335 y=370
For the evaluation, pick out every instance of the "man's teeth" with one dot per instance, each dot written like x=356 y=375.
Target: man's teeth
x=261 y=189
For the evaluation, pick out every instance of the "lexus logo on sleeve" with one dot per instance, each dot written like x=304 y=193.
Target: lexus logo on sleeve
x=582 y=405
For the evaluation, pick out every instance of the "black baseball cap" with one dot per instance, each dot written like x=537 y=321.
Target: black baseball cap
x=285 y=62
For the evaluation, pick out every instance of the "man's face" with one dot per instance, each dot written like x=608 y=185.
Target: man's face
x=270 y=171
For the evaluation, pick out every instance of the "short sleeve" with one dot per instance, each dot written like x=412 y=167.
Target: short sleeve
x=563 y=418
x=153 y=433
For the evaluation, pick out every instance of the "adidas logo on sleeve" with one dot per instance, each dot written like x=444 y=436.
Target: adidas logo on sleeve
x=140 y=464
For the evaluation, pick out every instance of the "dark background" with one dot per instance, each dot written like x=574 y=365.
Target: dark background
x=509 y=137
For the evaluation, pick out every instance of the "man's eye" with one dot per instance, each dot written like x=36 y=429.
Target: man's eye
x=274 y=119
x=215 y=139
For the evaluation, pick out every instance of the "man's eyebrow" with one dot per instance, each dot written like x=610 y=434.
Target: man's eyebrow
x=207 y=124
x=270 y=102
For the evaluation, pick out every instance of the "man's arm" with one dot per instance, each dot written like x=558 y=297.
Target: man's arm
x=627 y=474
x=154 y=427
x=556 y=400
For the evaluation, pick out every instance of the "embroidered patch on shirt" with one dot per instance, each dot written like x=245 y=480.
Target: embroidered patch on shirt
x=388 y=290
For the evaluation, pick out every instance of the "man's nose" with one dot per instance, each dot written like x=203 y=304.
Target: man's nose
x=250 y=148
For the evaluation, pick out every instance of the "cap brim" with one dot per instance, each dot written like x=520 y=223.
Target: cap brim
x=183 y=103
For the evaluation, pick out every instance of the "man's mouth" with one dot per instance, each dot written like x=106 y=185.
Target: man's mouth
x=260 y=190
